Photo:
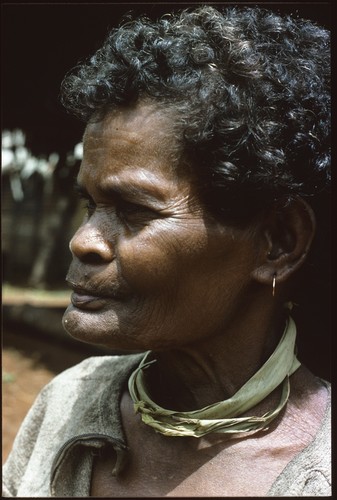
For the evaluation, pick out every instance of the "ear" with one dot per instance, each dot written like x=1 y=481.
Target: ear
x=287 y=234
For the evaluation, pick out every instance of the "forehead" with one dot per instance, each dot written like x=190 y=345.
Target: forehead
x=142 y=129
x=132 y=144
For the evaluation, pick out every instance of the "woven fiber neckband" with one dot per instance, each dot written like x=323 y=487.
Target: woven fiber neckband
x=223 y=417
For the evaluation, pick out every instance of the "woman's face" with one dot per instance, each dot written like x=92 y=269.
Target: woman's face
x=150 y=269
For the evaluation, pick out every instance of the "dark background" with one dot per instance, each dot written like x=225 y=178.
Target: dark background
x=41 y=42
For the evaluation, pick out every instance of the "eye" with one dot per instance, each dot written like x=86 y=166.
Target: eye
x=134 y=213
x=89 y=203
x=90 y=206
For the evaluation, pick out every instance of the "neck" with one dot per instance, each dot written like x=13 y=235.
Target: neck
x=212 y=370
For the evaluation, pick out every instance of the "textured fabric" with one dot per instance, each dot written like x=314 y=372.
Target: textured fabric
x=79 y=407
x=78 y=412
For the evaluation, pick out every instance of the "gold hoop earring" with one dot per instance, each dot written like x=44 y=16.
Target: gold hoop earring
x=274 y=284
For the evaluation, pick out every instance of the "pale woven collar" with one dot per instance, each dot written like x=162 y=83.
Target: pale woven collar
x=223 y=417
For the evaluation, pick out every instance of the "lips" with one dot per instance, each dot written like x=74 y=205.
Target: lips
x=88 y=295
x=88 y=302
x=88 y=299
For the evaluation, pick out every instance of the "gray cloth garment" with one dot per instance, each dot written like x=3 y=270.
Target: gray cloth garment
x=78 y=412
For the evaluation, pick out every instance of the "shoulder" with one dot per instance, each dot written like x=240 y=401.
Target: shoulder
x=92 y=375
x=98 y=366
x=82 y=385
x=80 y=400
x=309 y=473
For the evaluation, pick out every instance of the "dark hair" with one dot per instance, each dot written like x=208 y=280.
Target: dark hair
x=250 y=93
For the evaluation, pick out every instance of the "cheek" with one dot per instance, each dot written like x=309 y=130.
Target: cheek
x=157 y=256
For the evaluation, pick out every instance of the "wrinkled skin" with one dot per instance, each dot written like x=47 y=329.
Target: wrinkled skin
x=165 y=272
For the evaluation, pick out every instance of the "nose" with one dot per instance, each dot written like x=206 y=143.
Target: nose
x=90 y=247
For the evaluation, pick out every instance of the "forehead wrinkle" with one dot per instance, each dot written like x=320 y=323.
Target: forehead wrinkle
x=134 y=183
x=111 y=143
x=121 y=129
x=121 y=149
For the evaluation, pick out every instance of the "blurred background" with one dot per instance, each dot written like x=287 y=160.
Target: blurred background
x=41 y=153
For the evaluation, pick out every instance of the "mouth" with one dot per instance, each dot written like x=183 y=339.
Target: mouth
x=89 y=300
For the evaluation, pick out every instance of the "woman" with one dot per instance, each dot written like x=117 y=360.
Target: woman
x=205 y=148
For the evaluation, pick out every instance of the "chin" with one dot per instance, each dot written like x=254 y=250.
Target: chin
x=98 y=328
